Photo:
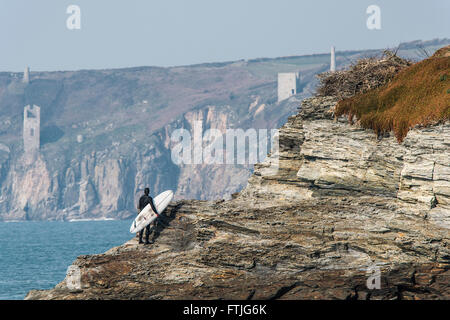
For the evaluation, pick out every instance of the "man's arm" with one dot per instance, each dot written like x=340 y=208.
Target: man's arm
x=153 y=205
x=139 y=206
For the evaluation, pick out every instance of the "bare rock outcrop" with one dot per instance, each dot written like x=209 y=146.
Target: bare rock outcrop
x=330 y=157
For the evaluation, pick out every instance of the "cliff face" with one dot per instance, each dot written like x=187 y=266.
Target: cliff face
x=331 y=204
x=100 y=183
x=90 y=186
x=100 y=146
x=332 y=158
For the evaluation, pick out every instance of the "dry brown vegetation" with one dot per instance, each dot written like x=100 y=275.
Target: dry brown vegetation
x=364 y=75
x=417 y=94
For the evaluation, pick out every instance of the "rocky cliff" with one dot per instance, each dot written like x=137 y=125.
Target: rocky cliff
x=329 y=210
x=105 y=134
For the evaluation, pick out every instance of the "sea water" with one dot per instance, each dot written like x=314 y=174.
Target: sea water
x=36 y=255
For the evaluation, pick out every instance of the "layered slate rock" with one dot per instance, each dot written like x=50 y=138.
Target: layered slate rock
x=331 y=157
x=331 y=204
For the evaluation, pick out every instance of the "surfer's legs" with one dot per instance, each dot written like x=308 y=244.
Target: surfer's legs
x=140 y=236
x=140 y=232
x=147 y=234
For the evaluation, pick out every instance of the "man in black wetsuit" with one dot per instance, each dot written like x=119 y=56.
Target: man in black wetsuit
x=143 y=202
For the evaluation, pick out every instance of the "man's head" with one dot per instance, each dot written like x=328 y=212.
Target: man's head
x=146 y=191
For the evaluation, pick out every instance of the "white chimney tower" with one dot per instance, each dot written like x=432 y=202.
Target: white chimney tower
x=26 y=75
x=333 y=60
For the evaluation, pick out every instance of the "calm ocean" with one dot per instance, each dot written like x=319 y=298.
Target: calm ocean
x=35 y=255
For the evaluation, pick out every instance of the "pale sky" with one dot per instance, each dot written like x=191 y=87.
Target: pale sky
x=128 y=33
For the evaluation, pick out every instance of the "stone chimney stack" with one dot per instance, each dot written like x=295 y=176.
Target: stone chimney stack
x=333 y=60
x=31 y=129
x=26 y=75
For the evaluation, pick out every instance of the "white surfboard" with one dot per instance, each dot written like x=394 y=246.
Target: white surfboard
x=147 y=215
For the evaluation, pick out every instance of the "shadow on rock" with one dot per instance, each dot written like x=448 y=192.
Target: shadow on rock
x=164 y=220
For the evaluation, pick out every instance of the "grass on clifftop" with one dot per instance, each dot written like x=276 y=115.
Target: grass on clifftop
x=417 y=95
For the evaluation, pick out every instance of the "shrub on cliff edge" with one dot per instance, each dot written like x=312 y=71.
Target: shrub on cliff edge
x=364 y=75
x=417 y=95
